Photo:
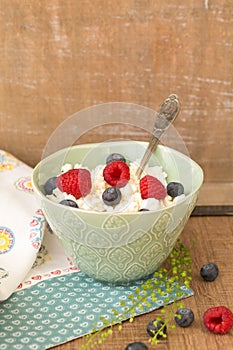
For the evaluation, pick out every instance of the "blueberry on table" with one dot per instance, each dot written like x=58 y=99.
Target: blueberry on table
x=209 y=271
x=175 y=189
x=111 y=196
x=50 y=185
x=115 y=157
x=136 y=346
x=69 y=203
x=156 y=327
x=184 y=317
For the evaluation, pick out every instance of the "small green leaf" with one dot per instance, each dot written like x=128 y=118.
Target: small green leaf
x=120 y=327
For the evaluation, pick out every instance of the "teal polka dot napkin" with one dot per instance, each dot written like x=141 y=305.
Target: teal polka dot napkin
x=63 y=308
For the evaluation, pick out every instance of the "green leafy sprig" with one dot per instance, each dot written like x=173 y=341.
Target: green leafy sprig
x=171 y=277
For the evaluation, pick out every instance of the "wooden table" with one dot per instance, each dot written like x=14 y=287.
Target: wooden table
x=59 y=57
x=215 y=243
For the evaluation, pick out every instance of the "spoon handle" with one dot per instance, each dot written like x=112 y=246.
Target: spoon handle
x=167 y=113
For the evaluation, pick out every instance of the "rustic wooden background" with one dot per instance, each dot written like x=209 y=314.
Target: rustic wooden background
x=58 y=57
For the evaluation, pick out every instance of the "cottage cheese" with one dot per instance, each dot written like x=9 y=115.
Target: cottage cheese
x=131 y=200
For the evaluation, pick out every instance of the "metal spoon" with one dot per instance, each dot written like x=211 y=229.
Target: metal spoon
x=167 y=113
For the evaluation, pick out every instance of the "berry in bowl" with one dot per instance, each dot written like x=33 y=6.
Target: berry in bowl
x=115 y=227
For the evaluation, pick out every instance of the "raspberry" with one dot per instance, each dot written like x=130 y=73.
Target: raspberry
x=151 y=187
x=76 y=182
x=218 y=319
x=116 y=174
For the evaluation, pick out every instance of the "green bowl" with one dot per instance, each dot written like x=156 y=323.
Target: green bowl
x=119 y=247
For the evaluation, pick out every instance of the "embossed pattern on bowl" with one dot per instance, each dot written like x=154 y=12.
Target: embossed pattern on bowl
x=119 y=247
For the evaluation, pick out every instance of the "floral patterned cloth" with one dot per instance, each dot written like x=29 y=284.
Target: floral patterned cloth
x=22 y=227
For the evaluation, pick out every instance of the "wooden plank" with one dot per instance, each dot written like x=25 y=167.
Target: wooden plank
x=215 y=199
x=59 y=57
x=216 y=194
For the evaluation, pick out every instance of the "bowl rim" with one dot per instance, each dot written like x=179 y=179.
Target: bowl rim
x=94 y=212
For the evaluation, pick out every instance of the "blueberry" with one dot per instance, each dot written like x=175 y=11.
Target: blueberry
x=69 y=203
x=175 y=189
x=111 y=196
x=115 y=157
x=50 y=185
x=184 y=317
x=209 y=272
x=156 y=326
x=136 y=346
